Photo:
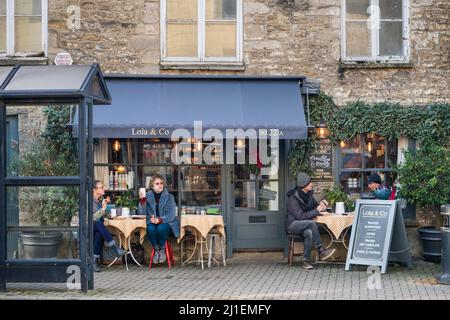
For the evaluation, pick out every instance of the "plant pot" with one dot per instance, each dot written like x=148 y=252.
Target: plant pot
x=431 y=243
x=40 y=245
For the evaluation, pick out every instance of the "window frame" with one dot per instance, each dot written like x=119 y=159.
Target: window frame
x=201 y=36
x=363 y=170
x=10 y=32
x=375 y=57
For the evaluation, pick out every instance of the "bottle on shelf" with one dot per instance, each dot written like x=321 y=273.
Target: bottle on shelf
x=111 y=181
x=116 y=181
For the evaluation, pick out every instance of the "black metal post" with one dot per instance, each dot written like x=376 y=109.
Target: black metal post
x=82 y=202
x=3 y=235
x=90 y=181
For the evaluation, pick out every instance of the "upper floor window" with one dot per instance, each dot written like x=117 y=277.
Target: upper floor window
x=201 y=30
x=375 y=30
x=23 y=27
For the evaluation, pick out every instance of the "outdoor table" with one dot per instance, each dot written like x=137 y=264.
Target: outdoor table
x=201 y=225
x=125 y=226
x=336 y=225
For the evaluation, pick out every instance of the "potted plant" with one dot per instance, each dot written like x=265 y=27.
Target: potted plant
x=52 y=154
x=127 y=201
x=425 y=182
x=337 y=195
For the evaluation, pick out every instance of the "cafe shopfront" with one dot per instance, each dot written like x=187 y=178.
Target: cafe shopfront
x=139 y=134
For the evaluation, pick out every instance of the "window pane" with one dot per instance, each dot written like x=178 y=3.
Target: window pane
x=43 y=142
x=245 y=195
x=121 y=151
x=152 y=151
x=374 y=151
x=2 y=33
x=28 y=34
x=351 y=154
x=115 y=177
x=392 y=152
x=220 y=9
x=201 y=186
x=168 y=172
x=351 y=183
x=182 y=40
x=220 y=39
x=391 y=38
x=390 y=9
x=28 y=7
x=358 y=39
x=268 y=196
x=182 y=10
x=357 y=9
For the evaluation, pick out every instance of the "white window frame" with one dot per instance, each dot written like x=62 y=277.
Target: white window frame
x=375 y=57
x=201 y=29
x=10 y=36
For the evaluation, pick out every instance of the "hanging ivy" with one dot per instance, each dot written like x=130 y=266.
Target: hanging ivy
x=429 y=125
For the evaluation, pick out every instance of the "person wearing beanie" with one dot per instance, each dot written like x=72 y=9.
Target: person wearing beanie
x=379 y=191
x=302 y=208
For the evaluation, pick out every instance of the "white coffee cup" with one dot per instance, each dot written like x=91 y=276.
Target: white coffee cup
x=340 y=208
x=113 y=213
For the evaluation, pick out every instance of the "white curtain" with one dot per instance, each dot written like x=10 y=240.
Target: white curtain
x=402 y=146
x=101 y=156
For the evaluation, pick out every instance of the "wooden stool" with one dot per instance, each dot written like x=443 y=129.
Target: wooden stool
x=292 y=238
x=169 y=256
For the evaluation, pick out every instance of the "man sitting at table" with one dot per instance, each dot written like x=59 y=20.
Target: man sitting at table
x=159 y=207
x=101 y=234
x=302 y=208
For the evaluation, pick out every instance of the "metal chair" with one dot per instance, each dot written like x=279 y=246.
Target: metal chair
x=213 y=237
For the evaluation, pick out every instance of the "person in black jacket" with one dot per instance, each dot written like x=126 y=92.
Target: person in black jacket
x=302 y=208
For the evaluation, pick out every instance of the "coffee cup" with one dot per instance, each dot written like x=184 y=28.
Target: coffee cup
x=340 y=208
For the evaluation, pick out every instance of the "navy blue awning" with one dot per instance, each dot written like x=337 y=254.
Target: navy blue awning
x=155 y=106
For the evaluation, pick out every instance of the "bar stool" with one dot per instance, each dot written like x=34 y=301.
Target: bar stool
x=292 y=238
x=169 y=256
x=214 y=236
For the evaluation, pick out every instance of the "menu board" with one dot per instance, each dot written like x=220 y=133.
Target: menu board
x=371 y=235
x=322 y=161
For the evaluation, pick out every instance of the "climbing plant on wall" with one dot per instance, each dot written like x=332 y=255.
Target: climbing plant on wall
x=430 y=125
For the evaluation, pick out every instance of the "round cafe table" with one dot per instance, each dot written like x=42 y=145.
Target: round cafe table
x=336 y=225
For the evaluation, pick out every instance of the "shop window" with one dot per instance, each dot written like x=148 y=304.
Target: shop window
x=23 y=27
x=375 y=30
x=363 y=155
x=201 y=30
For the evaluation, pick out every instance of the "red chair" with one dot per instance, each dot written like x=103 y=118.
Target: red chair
x=169 y=256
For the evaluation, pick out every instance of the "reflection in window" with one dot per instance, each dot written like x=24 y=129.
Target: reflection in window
x=201 y=186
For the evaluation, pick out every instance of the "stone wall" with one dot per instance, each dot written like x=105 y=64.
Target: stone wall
x=281 y=37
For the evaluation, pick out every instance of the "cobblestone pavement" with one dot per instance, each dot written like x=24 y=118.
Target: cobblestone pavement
x=247 y=280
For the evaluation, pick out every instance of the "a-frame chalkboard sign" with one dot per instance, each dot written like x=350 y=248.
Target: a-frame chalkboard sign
x=378 y=235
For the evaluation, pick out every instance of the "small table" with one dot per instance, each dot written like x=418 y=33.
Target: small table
x=125 y=226
x=337 y=226
x=201 y=225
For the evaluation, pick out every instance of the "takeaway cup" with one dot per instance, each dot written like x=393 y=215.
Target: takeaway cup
x=340 y=208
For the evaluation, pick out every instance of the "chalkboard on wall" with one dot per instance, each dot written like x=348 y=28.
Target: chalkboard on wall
x=322 y=161
x=371 y=235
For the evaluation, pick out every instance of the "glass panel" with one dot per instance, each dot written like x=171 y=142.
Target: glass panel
x=374 y=151
x=392 y=150
x=351 y=183
x=201 y=186
x=45 y=144
x=221 y=9
x=182 y=39
x=182 y=9
x=245 y=195
x=2 y=33
x=121 y=151
x=250 y=171
x=268 y=196
x=221 y=39
x=2 y=7
x=115 y=178
x=391 y=9
x=152 y=151
x=387 y=179
x=358 y=39
x=168 y=172
x=351 y=154
x=28 y=34
x=28 y=7
x=357 y=9
x=391 y=38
